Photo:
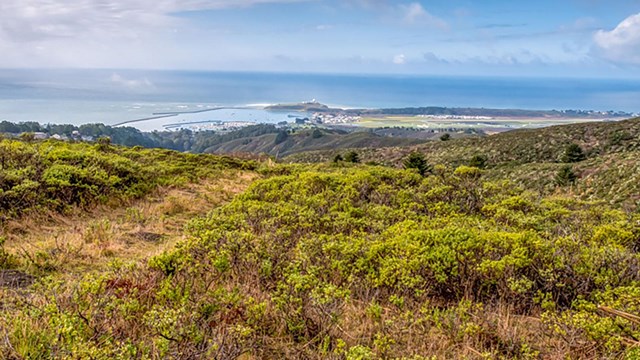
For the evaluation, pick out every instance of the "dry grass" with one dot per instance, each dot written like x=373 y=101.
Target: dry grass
x=89 y=241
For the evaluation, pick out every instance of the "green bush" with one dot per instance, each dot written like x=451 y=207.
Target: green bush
x=478 y=161
x=58 y=175
x=565 y=176
x=417 y=161
x=573 y=153
x=352 y=157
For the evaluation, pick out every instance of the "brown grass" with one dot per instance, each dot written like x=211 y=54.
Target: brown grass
x=88 y=241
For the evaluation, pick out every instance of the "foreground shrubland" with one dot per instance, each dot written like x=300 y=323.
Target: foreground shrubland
x=55 y=176
x=359 y=263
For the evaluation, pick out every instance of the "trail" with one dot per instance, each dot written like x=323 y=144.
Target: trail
x=74 y=245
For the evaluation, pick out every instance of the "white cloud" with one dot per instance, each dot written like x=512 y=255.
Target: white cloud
x=621 y=44
x=415 y=14
x=400 y=59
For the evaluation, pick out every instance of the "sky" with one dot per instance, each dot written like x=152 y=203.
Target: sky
x=574 y=38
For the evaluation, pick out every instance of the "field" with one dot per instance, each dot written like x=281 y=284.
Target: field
x=488 y=125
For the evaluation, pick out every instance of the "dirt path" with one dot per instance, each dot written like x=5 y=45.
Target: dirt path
x=75 y=245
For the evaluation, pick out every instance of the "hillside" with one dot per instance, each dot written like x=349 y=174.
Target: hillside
x=208 y=257
x=251 y=139
x=532 y=158
x=513 y=147
x=307 y=140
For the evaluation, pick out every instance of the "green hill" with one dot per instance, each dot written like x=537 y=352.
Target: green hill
x=55 y=175
x=513 y=147
x=329 y=260
x=610 y=170
x=307 y=140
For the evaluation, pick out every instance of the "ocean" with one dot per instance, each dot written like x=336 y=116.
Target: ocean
x=113 y=96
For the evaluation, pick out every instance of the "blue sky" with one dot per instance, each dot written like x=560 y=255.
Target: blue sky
x=581 y=38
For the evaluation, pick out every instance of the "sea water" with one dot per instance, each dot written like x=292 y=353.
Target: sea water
x=114 y=96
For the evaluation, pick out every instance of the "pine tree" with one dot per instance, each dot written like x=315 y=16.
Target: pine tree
x=573 y=153
x=566 y=176
x=417 y=161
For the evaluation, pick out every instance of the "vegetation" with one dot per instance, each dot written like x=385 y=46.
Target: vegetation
x=417 y=161
x=479 y=161
x=352 y=157
x=338 y=260
x=333 y=263
x=534 y=157
x=566 y=176
x=316 y=134
x=573 y=153
x=281 y=137
x=53 y=175
x=301 y=140
x=255 y=139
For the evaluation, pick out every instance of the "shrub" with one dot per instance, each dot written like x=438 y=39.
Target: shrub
x=27 y=136
x=445 y=137
x=281 y=137
x=478 y=161
x=618 y=137
x=565 y=176
x=417 y=161
x=60 y=174
x=352 y=157
x=338 y=262
x=103 y=143
x=573 y=153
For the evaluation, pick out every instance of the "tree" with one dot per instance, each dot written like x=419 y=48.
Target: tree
x=445 y=137
x=478 y=161
x=417 y=161
x=7 y=127
x=316 y=134
x=352 y=157
x=337 y=158
x=573 y=153
x=565 y=176
x=281 y=137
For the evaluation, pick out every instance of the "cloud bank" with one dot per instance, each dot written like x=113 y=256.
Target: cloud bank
x=32 y=20
x=100 y=33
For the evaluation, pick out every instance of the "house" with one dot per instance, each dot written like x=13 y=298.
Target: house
x=40 y=136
